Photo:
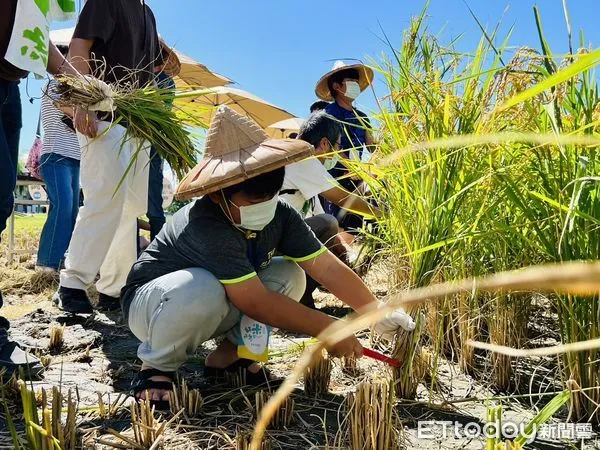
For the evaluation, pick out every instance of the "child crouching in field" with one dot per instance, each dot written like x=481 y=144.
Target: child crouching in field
x=212 y=270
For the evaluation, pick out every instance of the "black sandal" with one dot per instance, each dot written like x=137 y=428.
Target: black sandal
x=142 y=382
x=262 y=377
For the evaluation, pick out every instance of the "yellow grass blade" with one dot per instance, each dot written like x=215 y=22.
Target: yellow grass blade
x=542 y=351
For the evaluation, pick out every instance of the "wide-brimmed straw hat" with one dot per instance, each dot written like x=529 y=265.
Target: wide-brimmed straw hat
x=365 y=78
x=238 y=149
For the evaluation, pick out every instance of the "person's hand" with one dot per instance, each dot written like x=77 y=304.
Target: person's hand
x=346 y=347
x=389 y=325
x=86 y=122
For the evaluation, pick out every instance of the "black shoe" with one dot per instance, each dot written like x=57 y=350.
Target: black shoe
x=14 y=360
x=108 y=303
x=72 y=300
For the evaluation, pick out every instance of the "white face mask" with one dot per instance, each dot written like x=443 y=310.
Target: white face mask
x=330 y=162
x=352 y=90
x=256 y=217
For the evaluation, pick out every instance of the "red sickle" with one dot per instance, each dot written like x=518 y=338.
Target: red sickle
x=380 y=357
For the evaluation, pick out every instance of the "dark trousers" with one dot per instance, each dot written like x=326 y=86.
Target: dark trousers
x=10 y=130
x=156 y=214
x=325 y=227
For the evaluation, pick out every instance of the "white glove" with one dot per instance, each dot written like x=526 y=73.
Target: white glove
x=108 y=103
x=388 y=326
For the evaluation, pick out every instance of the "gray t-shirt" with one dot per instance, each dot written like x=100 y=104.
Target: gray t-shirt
x=200 y=235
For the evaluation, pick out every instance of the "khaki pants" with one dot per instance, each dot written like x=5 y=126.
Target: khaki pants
x=174 y=314
x=105 y=236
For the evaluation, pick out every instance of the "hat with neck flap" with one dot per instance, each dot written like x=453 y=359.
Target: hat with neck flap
x=238 y=149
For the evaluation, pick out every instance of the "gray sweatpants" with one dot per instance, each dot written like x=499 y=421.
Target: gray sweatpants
x=174 y=314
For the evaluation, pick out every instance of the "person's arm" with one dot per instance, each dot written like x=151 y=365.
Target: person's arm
x=86 y=122
x=338 y=279
x=350 y=289
x=343 y=199
x=66 y=110
x=143 y=224
x=57 y=63
x=80 y=53
x=253 y=299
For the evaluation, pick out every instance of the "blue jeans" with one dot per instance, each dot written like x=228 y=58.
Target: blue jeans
x=61 y=175
x=156 y=214
x=10 y=130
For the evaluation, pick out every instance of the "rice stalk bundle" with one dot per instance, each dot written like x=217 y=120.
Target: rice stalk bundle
x=350 y=366
x=46 y=360
x=284 y=415
x=507 y=325
x=47 y=431
x=57 y=337
x=236 y=379
x=407 y=349
x=317 y=376
x=147 y=113
x=243 y=439
x=371 y=423
x=182 y=397
x=147 y=431
x=11 y=388
x=469 y=322
x=110 y=409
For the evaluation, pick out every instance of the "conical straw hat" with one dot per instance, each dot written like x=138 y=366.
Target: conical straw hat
x=172 y=66
x=238 y=149
x=365 y=78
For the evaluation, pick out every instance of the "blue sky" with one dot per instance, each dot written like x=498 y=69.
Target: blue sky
x=278 y=49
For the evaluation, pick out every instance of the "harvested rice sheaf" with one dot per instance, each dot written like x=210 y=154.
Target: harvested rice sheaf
x=146 y=111
x=182 y=397
x=243 y=439
x=284 y=415
x=317 y=376
x=371 y=423
x=57 y=337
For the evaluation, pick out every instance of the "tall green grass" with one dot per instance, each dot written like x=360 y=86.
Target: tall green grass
x=476 y=208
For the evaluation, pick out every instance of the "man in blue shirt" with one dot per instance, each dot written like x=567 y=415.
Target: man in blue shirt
x=342 y=86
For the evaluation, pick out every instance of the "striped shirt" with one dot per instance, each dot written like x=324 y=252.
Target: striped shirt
x=58 y=137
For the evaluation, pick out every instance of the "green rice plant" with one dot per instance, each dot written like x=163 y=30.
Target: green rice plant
x=148 y=113
x=478 y=206
x=557 y=193
x=45 y=429
x=431 y=197
x=494 y=441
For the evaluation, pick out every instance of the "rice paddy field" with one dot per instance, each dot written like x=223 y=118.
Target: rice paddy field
x=489 y=175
